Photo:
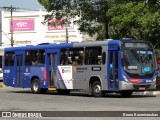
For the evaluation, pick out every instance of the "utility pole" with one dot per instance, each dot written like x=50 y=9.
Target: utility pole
x=11 y=29
x=67 y=23
x=66 y=35
x=11 y=23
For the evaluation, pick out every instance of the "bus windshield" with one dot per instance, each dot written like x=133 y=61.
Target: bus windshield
x=139 y=62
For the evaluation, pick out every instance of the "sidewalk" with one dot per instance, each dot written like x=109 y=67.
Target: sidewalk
x=2 y=85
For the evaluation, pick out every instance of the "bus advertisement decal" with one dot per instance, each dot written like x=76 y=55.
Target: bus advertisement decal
x=60 y=80
x=66 y=75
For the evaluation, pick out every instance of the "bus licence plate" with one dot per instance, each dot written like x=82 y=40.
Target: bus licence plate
x=142 y=88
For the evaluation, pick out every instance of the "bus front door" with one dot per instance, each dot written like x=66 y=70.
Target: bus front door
x=113 y=83
x=19 y=78
x=52 y=70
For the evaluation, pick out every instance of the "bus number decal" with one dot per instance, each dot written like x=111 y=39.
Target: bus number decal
x=6 y=71
x=66 y=72
x=96 y=68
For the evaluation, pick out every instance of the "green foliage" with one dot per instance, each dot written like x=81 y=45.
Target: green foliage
x=91 y=13
x=137 y=20
x=114 y=18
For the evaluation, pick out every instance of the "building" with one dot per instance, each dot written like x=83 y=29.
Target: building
x=27 y=28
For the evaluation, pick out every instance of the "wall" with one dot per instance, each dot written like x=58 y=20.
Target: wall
x=28 y=29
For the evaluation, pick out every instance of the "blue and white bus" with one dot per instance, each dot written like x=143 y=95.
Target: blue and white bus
x=121 y=66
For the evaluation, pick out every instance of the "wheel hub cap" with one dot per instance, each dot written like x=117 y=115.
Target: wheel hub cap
x=35 y=87
x=97 y=89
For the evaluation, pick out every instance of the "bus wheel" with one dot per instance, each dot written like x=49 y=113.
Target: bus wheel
x=63 y=91
x=35 y=88
x=126 y=93
x=96 y=89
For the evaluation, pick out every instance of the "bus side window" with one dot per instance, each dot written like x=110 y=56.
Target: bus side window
x=116 y=57
x=28 y=62
x=76 y=56
x=41 y=58
x=93 y=55
x=31 y=58
x=9 y=58
x=64 y=57
x=104 y=58
x=111 y=66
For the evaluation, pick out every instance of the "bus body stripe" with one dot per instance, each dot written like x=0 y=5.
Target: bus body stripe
x=45 y=74
x=58 y=85
x=61 y=79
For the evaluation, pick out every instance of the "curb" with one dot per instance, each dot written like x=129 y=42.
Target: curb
x=155 y=93
x=2 y=85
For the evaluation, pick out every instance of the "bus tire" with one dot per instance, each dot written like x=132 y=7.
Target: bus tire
x=126 y=93
x=63 y=91
x=96 y=89
x=35 y=88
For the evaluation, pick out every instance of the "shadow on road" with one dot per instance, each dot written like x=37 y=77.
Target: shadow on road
x=81 y=94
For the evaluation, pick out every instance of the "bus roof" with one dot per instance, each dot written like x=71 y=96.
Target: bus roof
x=34 y=47
x=97 y=43
x=65 y=45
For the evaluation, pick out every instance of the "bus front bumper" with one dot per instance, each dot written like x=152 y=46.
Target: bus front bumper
x=140 y=87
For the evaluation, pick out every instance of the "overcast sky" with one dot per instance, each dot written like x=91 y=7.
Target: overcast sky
x=28 y=4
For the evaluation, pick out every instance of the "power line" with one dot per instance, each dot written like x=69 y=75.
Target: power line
x=5 y=34
x=11 y=10
x=21 y=9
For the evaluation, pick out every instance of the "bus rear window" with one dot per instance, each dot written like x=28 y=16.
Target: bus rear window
x=9 y=58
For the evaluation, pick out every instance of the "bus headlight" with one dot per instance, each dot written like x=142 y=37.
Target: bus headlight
x=154 y=80
x=125 y=78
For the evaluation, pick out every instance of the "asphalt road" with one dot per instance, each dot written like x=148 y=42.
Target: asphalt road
x=18 y=99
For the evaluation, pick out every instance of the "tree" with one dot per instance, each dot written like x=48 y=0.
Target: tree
x=91 y=13
x=138 y=19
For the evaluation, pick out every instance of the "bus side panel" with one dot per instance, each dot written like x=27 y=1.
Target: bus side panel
x=26 y=77
x=31 y=73
x=83 y=74
x=9 y=76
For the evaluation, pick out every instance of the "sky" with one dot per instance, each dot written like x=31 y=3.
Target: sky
x=28 y=4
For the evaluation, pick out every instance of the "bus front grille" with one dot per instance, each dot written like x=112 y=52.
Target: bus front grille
x=141 y=87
